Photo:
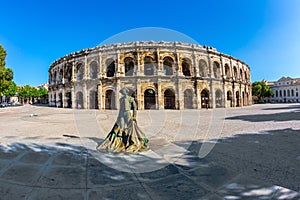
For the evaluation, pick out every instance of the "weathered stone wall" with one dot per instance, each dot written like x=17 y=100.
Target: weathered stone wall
x=160 y=75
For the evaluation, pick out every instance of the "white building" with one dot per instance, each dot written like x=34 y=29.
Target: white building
x=286 y=90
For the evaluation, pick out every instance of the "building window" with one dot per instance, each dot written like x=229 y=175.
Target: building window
x=284 y=93
x=288 y=93
x=280 y=93
x=276 y=93
x=292 y=93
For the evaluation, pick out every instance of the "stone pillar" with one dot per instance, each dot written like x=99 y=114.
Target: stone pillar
x=117 y=95
x=179 y=100
x=85 y=96
x=159 y=64
x=73 y=97
x=139 y=95
x=138 y=70
x=198 y=94
x=159 y=101
x=100 y=75
x=178 y=65
x=73 y=71
x=99 y=91
x=63 y=98
x=118 y=66
x=86 y=71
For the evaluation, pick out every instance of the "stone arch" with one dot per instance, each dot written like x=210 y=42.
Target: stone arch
x=129 y=66
x=93 y=99
x=109 y=99
x=149 y=99
x=227 y=71
x=241 y=75
x=237 y=99
x=188 y=98
x=168 y=64
x=216 y=69
x=79 y=100
x=204 y=98
x=186 y=67
x=149 y=66
x=218 y=98
x=79 y=71
x=60 y=75
x=169 y=99
x=235 y=74
x=68 y=73
x=93 y=70
x=203 y=68
x=55 y=76
x=110 y=67
x=229 y=98
x=246 y=76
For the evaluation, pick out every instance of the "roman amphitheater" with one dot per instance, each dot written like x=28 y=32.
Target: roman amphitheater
x=160 y=75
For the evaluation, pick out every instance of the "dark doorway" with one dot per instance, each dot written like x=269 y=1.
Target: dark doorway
x=169 y=99
x=149 y=99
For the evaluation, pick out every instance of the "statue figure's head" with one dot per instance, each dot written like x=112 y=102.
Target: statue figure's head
x=124 y=91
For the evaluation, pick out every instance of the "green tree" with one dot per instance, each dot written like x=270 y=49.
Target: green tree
x=6 y=74
x=261 y=90
x=11 y=90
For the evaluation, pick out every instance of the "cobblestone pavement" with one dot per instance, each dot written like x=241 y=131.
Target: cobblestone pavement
x=236 y=153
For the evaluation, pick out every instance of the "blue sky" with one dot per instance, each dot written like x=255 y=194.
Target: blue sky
x=263 y=33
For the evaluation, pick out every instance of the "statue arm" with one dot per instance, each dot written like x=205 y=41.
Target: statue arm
x=133 y=107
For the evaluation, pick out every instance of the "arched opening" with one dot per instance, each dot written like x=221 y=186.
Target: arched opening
x=109 y=99
x=280 y=93
x=276 y=93
x=292 y=92
x=129 y=66
x=149 y=99
x=60 y=76
x=110 y=68
x=68 y=100
x=243 y=98
x=188 y=99
x=288 y=93
x=68 y=74
x=227 y=71
x=229 y=98
x=186 y=67
x=60 y=102
x=79 y=100
x=237 y=97
x=55 y=77
x=284 y=93
x=169 y=99
x=168 y=66
x=217 y=71
x=93 y=100
x=204 y=99
x=235 y=73
x=241 y=74
x=218 y=99
x=79 y=72
x=203 y=68
x=246 y=76
x=149 y=66
x=93 y=70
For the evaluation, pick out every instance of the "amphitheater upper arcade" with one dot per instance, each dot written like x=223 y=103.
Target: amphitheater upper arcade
x=161 y=75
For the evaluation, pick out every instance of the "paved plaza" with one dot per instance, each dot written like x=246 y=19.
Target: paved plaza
x=234 y=153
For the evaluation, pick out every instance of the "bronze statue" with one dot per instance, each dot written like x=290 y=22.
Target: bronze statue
x=125 y=135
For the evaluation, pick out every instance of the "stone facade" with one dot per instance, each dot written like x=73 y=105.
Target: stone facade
x=160 y=75
x=286 y=90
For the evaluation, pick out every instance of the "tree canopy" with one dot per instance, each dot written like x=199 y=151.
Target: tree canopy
x=6 y=74
x=261 y=90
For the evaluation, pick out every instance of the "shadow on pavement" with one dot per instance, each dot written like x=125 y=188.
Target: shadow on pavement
x=284 y=116
x=284 y=107
x=253 y=166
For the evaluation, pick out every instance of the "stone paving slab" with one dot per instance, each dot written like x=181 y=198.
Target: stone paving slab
x=51 y=156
